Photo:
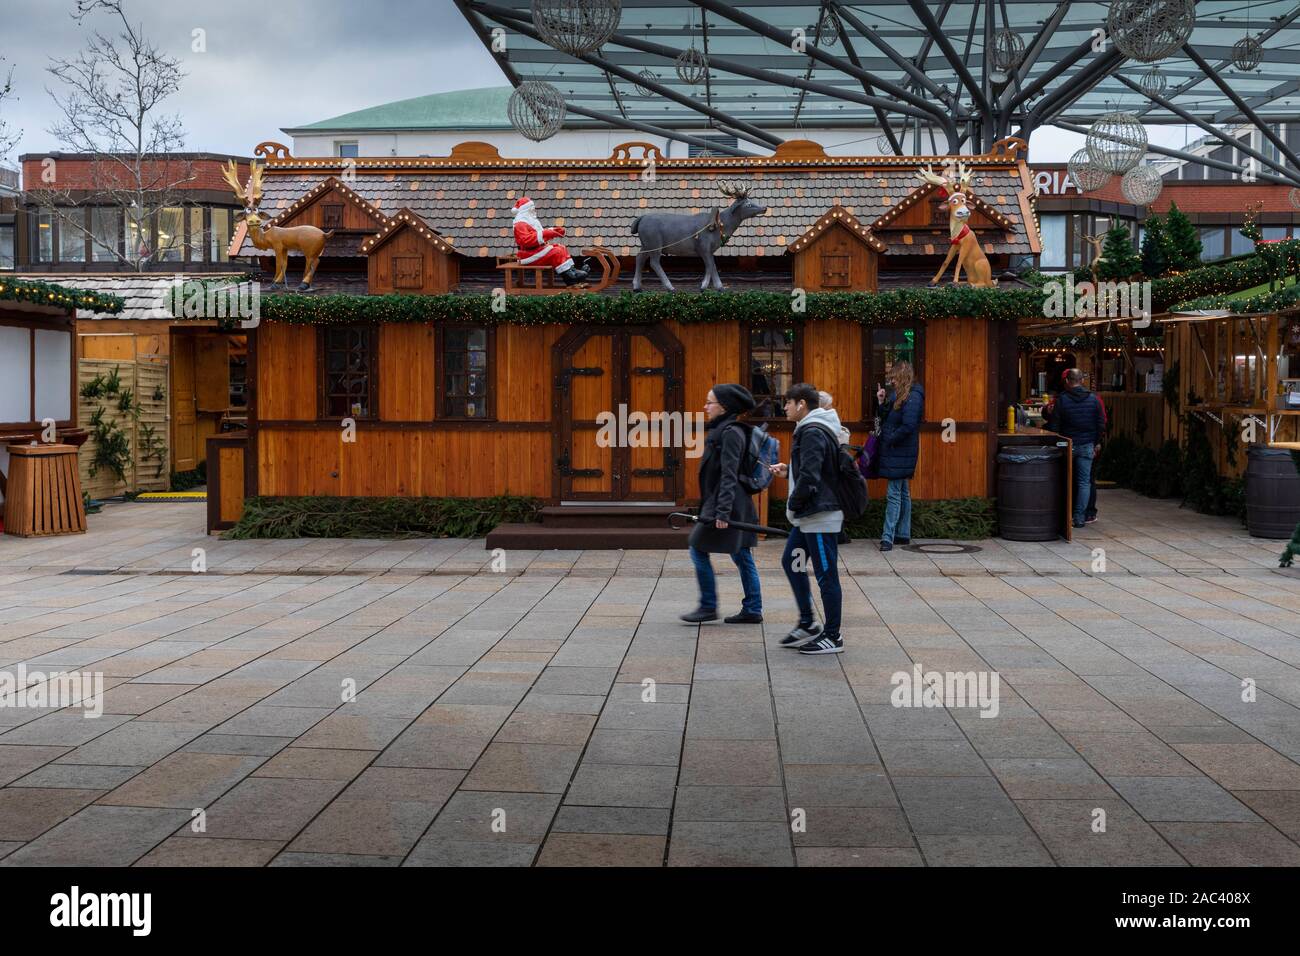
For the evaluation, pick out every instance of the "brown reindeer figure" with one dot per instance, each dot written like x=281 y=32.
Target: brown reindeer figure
x=962 y=241
x=1097 y=259
x=308 y=240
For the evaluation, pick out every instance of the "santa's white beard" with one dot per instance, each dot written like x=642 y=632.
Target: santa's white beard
x=530 y=220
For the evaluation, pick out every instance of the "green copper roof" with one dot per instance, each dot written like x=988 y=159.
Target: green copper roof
x=483 y=108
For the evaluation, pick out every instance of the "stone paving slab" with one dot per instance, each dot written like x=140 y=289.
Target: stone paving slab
x=385 y=703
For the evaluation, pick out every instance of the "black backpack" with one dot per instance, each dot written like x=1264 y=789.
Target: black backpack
x=851 y=487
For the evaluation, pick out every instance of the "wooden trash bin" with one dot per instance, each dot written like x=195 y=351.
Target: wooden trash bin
x=43 y=491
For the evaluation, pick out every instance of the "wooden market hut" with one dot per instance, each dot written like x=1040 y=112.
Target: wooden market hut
x=451 y=398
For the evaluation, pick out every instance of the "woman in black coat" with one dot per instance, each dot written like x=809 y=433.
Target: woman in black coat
x=723 y=500
x=900 y=446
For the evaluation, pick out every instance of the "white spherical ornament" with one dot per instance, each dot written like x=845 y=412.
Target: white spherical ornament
x=1117 y=142
x=1141 y=185
x=1247 y=53
x=1150 y=30
x=645 y=90
x=576 y=26
x=1293 y=196
x=536 y=110
x=828 y=28
x=1153 y=82
x=1008 y=50
x=1085 y=175
x=692 y=66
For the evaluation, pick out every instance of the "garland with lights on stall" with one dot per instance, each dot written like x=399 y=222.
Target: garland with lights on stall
x=47 y=293
x=893 y=306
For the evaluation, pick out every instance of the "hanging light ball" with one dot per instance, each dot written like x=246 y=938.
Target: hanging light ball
x=1008 y=50
x=692 y=66
x=1247 y=53
x=1085 y=175
x=1141 y=185
x=1153 y=82
x=576 y=27
x=883 y=146
x=536 y=110
x=1117 y=142
x=646 y=74
x=1149 y=30
x=1293 y=196
x=828 y=28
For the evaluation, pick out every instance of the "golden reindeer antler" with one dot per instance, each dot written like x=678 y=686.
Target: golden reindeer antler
x=250 y=194
x=927 y=174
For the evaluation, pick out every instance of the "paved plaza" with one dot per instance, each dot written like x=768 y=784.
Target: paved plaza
x=332 y=702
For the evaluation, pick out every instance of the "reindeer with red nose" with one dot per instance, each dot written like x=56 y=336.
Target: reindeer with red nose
x=962 y=241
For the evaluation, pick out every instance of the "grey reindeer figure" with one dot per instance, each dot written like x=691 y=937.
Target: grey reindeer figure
x=701 y=235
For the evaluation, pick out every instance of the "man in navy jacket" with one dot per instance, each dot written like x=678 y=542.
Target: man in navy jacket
x=1078 y=416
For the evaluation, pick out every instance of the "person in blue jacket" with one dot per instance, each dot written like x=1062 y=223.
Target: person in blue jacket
x=902 y=409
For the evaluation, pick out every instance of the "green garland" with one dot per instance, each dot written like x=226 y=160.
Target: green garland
x=893 y=306
x=1266 y=264
x=46 y=293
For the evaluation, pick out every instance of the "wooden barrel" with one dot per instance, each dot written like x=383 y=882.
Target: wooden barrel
x=1031 y=492
x=1272 y=493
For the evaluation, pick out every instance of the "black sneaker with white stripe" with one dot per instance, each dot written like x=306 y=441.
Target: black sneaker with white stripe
x=802 y=634
x=825 y=644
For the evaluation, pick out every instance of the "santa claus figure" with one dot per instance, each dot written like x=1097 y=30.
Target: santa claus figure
x=534 y=246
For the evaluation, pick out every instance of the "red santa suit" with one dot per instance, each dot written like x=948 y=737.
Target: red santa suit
x=532 y=242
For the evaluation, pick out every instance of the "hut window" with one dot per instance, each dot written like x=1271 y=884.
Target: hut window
x=465 y=373
x=348 y=369
x=884 y=346
x=771 y=360
x=332 y=215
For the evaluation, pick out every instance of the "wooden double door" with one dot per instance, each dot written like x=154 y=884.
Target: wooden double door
x=611 y=389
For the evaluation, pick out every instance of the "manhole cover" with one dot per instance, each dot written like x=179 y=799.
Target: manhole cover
x=943 y=548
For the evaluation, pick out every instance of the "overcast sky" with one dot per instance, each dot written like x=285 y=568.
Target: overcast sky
x=277 y=63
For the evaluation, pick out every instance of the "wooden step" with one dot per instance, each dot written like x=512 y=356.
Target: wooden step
x=537 y=537
x=607 y=516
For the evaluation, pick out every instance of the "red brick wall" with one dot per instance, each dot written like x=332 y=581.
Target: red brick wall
x=86 y=174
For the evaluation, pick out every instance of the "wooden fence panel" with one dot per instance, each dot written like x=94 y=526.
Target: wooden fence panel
x=148 y=460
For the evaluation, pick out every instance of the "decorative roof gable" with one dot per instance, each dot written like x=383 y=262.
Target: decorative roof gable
x=406 y=219
x=923 y=191
x=837 y=215
x=320 y=191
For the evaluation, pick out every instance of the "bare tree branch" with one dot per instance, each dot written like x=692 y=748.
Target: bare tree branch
x=8 y=135
x=109 y=103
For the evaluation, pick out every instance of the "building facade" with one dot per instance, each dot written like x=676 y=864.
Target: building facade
x=77 y=214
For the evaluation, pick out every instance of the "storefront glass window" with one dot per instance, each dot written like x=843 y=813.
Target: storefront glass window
x=105 y=234
x=72 y=235
x=171 y=233
x=44 y=239
x=1240 y=244
x=220 y=235
x=1212 y=243
x=6 y=246
x=1053 y=231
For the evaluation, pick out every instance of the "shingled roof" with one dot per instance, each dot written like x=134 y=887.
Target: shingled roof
x=145 y=293
x=467 y=197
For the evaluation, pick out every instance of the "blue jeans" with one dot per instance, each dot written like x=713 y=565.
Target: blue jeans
x=823 y=551
x=898 y=510
x=744 y=559
x=1082 y=479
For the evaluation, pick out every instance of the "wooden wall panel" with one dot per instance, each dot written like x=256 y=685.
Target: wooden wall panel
x=956 y=373
x=230 y=464
x=712 y=355
x=832 y=360
x=299 y=462
x=523 y=371
x=406 y=372
x=286 y=372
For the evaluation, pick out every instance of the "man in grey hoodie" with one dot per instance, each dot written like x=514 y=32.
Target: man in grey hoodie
x=813 y=508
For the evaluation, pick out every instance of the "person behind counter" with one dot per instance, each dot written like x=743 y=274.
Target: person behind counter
x=1079 y=415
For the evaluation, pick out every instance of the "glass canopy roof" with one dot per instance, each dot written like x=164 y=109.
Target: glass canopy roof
x=880 y=61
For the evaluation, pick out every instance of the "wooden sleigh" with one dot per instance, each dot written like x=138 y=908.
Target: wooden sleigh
x=541 y=280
